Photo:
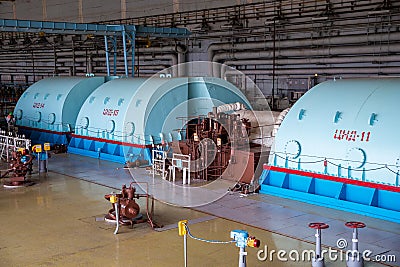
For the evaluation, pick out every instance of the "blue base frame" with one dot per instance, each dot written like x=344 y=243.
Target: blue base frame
x=39 y=137
x=373 y=202
x=106 y=151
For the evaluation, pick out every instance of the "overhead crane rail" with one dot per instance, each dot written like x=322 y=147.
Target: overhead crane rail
x=128 y=32
x=53 y=27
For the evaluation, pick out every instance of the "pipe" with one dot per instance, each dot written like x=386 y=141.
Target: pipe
x=142 y=67
x=169 y=57
x=231 y=107
x=133 y=50
x=90 y=65
x=181 y=51
x=298 y=27
x=303 y=62
x=279 y=120
x=262 y=122
x=320 y=60
x=116 y=217
x=125 y=54
x=310 y=52
x=176 y=58
x=339 y=40
x=114 y=41
x=322 y=70
x=107 y=56
x=120 y=58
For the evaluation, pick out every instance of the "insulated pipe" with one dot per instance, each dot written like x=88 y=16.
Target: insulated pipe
x=335 y=71
x=181 y=60
x=174 y=57
x=125 y=54
x=89 y=65
x=210 y=60
x=310 y=52
x=341 y=40
x=169 y=57
x=321 y=60
x=179 y=52
x=279 y=120
x=142 y=67
x=231 y=107
x=293 y=63
x=326 y=41
x=302 y=69
x=107 y=56
x=65 y=67
x=133 y=50
x=15 y=59
x=114 y=42
x=298 y=26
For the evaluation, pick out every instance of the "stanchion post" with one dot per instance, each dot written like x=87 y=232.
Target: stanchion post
x=114 y=201
x=183 y=232
x=46 y=149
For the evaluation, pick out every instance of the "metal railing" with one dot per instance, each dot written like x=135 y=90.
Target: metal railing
x=10 y=143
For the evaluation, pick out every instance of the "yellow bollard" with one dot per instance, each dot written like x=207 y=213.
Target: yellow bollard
x=113 y=199
x=182 y=227
x=183 y=232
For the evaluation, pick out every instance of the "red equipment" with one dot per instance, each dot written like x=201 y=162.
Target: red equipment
x=128 y=209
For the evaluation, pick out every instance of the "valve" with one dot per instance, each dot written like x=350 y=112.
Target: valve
x=240 y=236
x=318 y=260
x=355 y=225
x=318 y=225
x=355 y=259
x=253 y=242
x=243 y=240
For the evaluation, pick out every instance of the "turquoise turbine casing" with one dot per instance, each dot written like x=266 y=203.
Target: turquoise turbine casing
x=47 y=110
x=124 y=118
x=338 y=146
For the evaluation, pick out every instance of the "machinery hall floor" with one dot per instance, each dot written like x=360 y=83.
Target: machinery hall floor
x=59 y=221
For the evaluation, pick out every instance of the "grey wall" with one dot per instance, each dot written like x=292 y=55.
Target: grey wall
x=92 y=10
x=285 y=46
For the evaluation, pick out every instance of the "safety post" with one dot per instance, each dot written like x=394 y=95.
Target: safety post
x=240 y=237
x=38 y=150
x=46 y=147
x=114 y=201
x=182 y=232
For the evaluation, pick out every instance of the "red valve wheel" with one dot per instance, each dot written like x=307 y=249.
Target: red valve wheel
x=318 y=225
x=355 y=224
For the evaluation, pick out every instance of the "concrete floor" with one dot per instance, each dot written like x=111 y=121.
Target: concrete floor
x=59 y=222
